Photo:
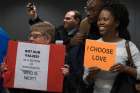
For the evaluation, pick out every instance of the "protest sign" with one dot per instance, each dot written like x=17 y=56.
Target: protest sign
x=34 y=66
x=99 y=54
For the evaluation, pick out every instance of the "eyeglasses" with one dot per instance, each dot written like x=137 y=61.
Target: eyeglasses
x=36 y=36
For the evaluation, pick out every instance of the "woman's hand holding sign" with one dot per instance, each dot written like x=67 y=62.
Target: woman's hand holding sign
x=119 y=68
x=124 y=69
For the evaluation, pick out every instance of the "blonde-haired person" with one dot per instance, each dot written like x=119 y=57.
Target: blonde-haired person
x=41 y=33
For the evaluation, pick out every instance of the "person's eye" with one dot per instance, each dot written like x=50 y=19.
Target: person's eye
x=106 y=19
x=36 y=36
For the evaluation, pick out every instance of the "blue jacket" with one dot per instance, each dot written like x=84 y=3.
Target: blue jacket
x=4 y=38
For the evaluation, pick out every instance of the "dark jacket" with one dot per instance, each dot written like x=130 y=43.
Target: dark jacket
x=94 y=32
x=65 y=35
x=34 y=21
x=74 y=59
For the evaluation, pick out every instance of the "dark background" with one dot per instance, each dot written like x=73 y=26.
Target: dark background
x=14 y=19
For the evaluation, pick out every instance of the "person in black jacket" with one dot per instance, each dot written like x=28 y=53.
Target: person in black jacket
x=69 y=28
x=64 y=32
x=73 y=64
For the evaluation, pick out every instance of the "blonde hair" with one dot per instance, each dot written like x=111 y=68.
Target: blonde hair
x=46 y=28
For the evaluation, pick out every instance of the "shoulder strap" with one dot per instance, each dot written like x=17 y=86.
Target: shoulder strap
x=130 y=60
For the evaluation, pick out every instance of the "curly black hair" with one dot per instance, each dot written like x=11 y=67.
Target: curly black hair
x=121 y=15
x=104 y=2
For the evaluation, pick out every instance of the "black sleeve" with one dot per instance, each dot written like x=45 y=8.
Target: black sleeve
x=34 y=21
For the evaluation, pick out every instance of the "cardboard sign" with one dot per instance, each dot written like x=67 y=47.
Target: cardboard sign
x=34 y=66
x=99 y=54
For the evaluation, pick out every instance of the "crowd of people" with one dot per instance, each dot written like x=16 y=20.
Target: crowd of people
x=105 y=21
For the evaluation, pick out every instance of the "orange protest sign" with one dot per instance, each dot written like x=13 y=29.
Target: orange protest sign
x=99 y=54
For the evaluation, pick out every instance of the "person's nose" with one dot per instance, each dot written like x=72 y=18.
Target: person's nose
x=31 y=39
x=101 y=22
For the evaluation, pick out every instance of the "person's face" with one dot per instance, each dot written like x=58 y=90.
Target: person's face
x=106 y=23
x=93 y=9
x=32 y=11
x=38 y=38
x=69 y=21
